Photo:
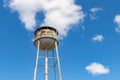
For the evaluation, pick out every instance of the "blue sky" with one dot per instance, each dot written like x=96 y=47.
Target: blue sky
x=96 y=40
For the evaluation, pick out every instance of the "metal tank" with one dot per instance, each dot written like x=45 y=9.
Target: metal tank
x=47 y=37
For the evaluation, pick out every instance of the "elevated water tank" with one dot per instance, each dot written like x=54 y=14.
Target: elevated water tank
x=47 y=37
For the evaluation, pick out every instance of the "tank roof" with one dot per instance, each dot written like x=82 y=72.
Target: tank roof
x=45 y=27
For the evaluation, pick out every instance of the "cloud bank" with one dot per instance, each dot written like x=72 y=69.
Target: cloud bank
x=117 y=21
x=98 y=38
x=60 y=14
x=97 y=69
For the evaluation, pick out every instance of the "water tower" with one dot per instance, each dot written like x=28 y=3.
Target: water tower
x=46 y=40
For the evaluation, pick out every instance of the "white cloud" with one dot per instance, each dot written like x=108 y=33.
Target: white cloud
x=94 y=11
x=60 y=14
x=117 y=21
x=97 y=69
x=98 y=38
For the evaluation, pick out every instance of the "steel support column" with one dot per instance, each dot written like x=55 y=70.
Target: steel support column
x=58 y=60
x=46 y=65
x=36 y=63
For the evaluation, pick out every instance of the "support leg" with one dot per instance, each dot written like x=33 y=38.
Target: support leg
x=60 y=73
x=37 y=56
x=46 y=65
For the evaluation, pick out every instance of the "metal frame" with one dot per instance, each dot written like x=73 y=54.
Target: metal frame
x=56 y=61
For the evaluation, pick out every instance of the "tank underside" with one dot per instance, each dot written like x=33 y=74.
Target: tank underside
x=46 y=43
